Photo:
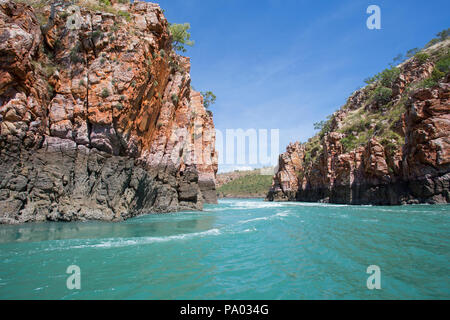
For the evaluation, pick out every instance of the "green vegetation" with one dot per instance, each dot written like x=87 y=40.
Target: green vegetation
x=441 y=69
x=125 y=14
x=441 y=36
x=209 y=98
x=97 y=34
x=382 y=95
x=418 y=53
x=105 y=93
x=427 y=83
x=75 y=54
x=391 y=141
x=47 y=69
x=313 y=148
x=422 y=57
x=323 y=126
x=180 y=36
x=378 y=115
x=360 y=125
x=251 y=184
x=349 y=143
x=94 y=5
x=387 y=77
x=412 y=52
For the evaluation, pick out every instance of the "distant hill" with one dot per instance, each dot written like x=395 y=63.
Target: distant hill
x=243 y=184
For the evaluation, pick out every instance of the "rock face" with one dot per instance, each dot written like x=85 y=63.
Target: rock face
x=286 y=180
x=97 y=117
x=416 y=171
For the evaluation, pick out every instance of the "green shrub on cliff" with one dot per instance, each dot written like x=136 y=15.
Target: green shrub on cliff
x=180 y=36
x=422 y=57
x=441 y=36
x=382 y=95
x=125 y=14
x=105 y=93
x=209 y=98
x=313 y=149
x=324 y=126
x=387 y=77
x=349 y=143
x=391 y=140
x=411 y=52
x=442 y=67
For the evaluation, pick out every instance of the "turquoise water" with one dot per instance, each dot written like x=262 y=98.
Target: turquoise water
x=239 y=249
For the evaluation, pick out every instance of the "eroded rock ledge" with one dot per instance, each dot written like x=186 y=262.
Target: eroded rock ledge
x=99 y=122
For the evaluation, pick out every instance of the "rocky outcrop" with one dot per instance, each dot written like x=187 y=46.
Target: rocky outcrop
x=416 y=171
x=97 y=117
x=286 y=179
x=205 y=155
x=426 y=161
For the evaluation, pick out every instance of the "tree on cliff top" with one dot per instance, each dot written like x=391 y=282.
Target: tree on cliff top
x=180 y=36
x=209 y=99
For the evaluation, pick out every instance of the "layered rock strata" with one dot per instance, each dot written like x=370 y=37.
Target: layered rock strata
x=97 y=116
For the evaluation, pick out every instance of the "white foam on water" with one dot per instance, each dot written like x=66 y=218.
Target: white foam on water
x=369 y=220
x=314 y=204
x=254 y=219
x=277 y=215
x=124 y=242
x=282 y=214
x=255 y=204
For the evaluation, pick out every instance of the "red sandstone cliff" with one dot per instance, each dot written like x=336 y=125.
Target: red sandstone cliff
x=397 y=152
x=98 y=121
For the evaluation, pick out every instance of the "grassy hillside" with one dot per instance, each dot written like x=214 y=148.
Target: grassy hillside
x=248 y=184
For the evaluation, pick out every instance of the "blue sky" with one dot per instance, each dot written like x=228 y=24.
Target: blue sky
x=286 y=64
